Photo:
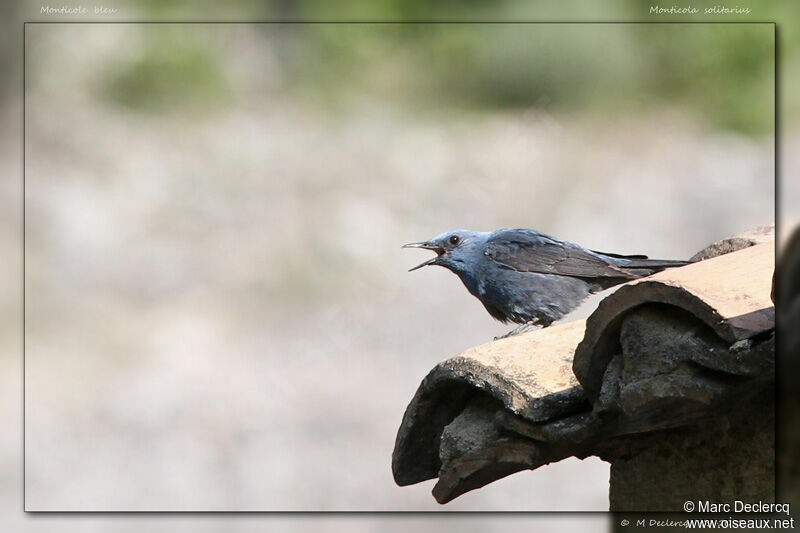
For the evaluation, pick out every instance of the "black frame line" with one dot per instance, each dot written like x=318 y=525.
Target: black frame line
x=443 y=512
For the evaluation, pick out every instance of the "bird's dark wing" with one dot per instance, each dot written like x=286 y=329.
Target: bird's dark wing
x=530 y=251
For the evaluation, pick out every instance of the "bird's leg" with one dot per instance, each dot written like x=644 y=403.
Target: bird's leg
x=527 y=326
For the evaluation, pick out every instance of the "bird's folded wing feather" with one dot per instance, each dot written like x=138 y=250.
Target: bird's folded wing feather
x=527 y=251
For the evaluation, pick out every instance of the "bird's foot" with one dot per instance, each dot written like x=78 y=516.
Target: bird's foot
x=527 y=326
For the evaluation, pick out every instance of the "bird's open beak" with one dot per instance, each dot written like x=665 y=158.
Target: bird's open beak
x=427 y=246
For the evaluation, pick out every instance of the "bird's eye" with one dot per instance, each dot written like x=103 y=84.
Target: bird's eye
x=454 y=239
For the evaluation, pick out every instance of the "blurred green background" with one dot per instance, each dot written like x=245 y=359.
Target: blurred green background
x=709 y=71
x=722 y=75
x=716 y=73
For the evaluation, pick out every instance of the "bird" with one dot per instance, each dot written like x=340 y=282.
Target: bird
x=530 y=278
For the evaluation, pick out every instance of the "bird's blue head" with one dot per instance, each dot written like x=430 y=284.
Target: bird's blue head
x=456 y=250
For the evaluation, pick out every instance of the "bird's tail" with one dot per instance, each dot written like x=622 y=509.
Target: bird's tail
x=641 y=265
x=659 y=264
x=642 y=261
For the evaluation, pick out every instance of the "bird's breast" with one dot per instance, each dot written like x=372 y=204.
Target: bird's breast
x=481 y=287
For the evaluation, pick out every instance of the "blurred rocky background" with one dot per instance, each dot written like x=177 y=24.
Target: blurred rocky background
x=218 y=315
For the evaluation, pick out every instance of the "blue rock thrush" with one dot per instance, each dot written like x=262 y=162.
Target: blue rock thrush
x=529 y=278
